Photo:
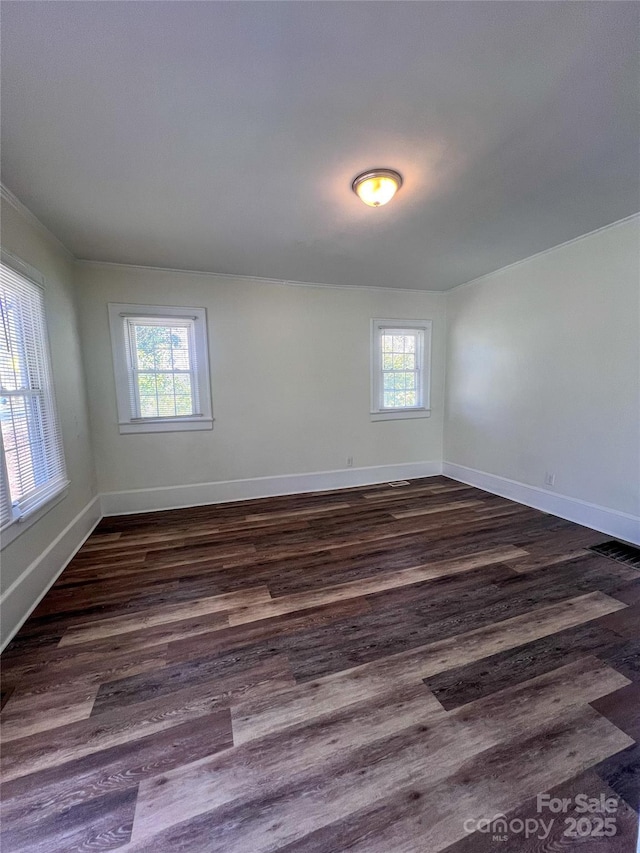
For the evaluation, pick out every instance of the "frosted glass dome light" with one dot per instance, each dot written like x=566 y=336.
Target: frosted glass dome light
x=377 y=186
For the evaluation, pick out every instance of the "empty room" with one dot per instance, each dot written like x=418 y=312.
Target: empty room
x=320 y=426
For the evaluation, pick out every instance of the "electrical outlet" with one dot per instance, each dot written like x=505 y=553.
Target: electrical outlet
x=549 y=479
x=349 y=461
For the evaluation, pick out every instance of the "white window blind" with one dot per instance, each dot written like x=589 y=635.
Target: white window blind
x=33 y=468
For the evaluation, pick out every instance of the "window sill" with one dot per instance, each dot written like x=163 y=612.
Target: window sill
x=20 y=525
x=400 y=414
x=172 y=425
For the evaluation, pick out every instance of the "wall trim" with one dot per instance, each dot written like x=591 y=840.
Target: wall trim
x=488 y=275
x=224 y=491
x=255 y=279
x=621 y=525
x=27 y=214
x=22 y=596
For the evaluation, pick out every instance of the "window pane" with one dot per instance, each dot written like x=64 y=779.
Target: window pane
x=182 y=385
x=163 y=358
x=148 y=339
x=184 y=405
x=181 y=359
x=399 y=381
x=145 y=357
x=159 y=394
x=399 y=399
x=166 y=405
x=399 y=352
x=399 y=389
x=406 y=381
x=180 y=349
x=148 y=407
x=164 y=382
x=180 y=338
x=146 y=384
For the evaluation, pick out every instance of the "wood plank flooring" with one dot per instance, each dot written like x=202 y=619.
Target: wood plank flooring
x=373 y=670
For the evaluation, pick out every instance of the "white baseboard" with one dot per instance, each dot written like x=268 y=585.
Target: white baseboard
x=609 y=521
x=200 y=494
x=26 y=592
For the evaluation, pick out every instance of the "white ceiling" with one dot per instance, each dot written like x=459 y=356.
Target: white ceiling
x=224 y=136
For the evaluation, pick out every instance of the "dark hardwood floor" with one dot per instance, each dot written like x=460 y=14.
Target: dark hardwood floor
x=375 y=670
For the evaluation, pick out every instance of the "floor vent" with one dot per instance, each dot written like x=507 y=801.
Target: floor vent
x=397 y=483
x=619 y=551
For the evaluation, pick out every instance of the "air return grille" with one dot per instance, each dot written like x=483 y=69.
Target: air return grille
x=619 y=551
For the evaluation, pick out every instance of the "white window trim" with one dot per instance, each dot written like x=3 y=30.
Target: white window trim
x=378 y=412
x=20 y=523
x=23 y=268
x=17 y=526
x=128 y=424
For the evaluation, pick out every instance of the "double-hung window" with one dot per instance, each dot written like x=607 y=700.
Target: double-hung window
x=400 y=368
x=161 y=367
x=32 y=466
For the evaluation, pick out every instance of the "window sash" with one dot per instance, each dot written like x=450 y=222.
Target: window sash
x=415 y=388
x=33 y=469
x=135 y=372
x=418 y=336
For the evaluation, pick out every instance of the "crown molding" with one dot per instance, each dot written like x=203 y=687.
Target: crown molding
x=364 y=287
x=626 y=220
x=30 y=217
x=254 y=279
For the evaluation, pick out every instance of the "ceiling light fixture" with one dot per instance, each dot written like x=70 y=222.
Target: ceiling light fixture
x=377 y=186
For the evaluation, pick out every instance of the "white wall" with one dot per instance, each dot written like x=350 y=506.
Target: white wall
x=543 y=370
x=31 y=561
x=290 y=381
